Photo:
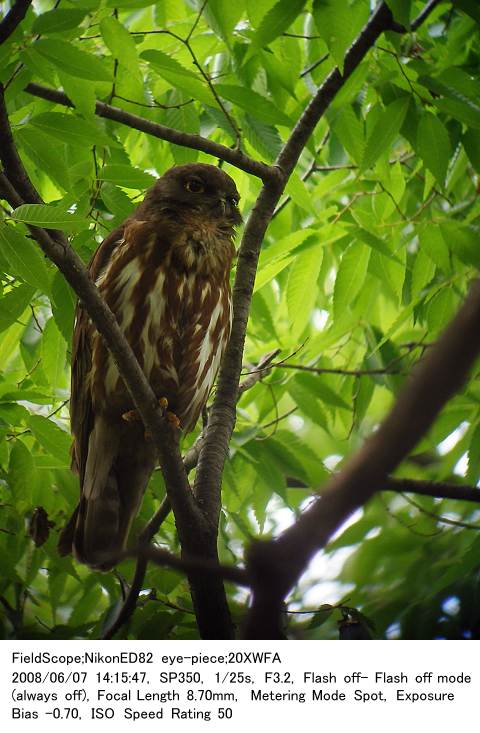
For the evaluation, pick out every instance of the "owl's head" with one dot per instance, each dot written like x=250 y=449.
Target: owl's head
x=197 y=187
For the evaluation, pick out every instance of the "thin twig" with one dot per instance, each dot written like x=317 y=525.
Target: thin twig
x=440 y=518
x=188 y=140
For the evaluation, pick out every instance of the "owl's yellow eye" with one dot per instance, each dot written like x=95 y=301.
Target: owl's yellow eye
x=195 y=186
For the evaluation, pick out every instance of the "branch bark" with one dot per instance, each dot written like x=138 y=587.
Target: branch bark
x=436 y=489
x=13 y=18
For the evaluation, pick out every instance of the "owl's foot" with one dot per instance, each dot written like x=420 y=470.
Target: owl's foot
x=131 y=416
x=134 y=416
x=172 y=419
x=169 y=416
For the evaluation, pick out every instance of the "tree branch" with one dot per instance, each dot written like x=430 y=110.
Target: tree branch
x=275 y=566
x=186 y=139
x=222 y=418
x=435 y=489
x=130 y=602
x=15 y=15
x=197 y=565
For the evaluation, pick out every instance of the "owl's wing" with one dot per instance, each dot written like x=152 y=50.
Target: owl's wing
x=81 y=412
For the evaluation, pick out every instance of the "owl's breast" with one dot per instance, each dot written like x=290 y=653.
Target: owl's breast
x=177 y=322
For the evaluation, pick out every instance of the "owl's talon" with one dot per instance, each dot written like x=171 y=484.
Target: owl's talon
x=172 y=419
x=131 y=416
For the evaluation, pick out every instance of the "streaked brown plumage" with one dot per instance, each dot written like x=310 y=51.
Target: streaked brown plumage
x=165 y=274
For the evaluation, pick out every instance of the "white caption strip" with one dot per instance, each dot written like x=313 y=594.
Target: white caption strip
x=192 y=686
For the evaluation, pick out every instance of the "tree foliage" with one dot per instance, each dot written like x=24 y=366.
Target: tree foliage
x=367 y=257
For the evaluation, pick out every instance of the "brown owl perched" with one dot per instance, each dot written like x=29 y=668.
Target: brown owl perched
x=165 y=275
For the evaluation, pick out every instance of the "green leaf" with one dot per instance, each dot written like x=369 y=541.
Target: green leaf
x=333 y=19
x=374 y=242
x=116 y=200
x=119 y=41
x=256 y=10
x=80 y=92
x=464 y=241
x=433 y=243
x=30 y=395
x=21 y=473
x=13 y=303
x=73 y=130
x=349 y=130
x=350 y=276
x=52 y=439
x=264 y=138
x=25 y=258
x=58 y=20
x=274 y=23
x=126 y=176
x=441 y=309
x=391 y=273
x=255 y=104
x=46 y=157
x=222 y=17
x=471 y=143
x=423 y=271
x=302 y=287
x=433 y=146
x=307 y=402
x=385 y=131
x=470 y=7
x=401 y=11
x=317 y=386
x=63 y=305
x=164 y=62
x=49 y=216
x=473 y=472
x=465 y=111
x=300 y=194
x=72 y=60
x=179 y=77
x=54 y=349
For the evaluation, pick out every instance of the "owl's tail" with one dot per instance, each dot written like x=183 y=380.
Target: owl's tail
x=116 y=474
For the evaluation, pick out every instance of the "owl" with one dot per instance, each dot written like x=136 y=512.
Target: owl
x=165 y=274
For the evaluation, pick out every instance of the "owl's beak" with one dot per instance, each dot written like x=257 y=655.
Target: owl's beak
x=223 y=208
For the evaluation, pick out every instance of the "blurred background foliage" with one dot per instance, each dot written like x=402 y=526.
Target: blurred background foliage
x=365 y=261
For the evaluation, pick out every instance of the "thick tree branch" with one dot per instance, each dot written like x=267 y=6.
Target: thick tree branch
x=11 y=162
x=15 y=15
x=222 y=419
x=186 y=139
x=276 y=566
